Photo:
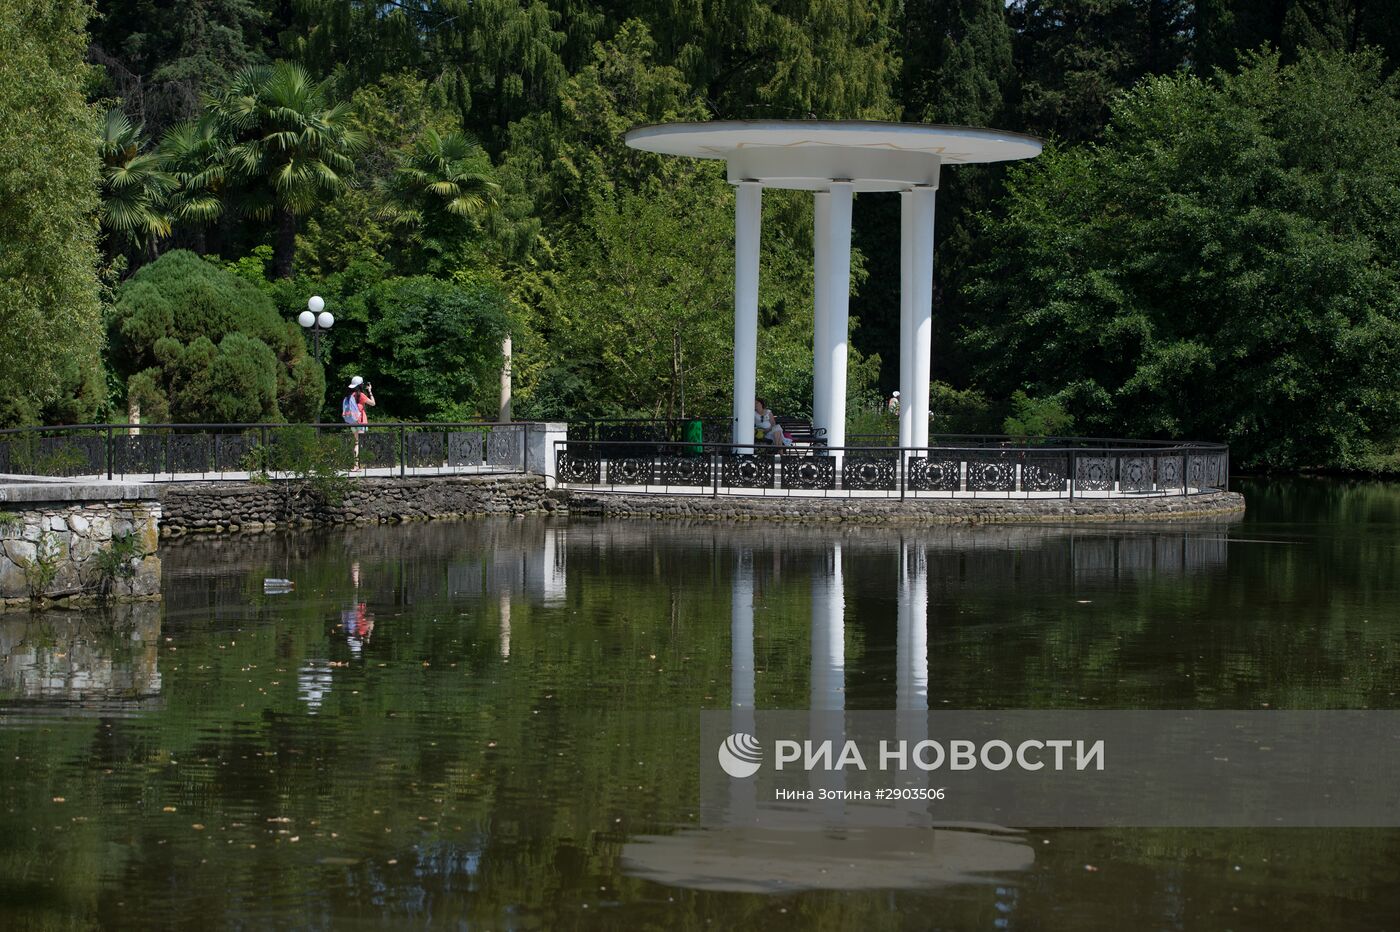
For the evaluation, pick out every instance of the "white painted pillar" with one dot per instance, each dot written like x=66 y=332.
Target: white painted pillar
x=821 y=293
x=923 y=312
x=906 y=318
x=748 y=215
x=839 y=295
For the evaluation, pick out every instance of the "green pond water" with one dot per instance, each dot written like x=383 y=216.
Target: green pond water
x=494 y=724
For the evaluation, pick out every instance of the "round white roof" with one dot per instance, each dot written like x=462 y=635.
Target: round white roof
x=810 y=154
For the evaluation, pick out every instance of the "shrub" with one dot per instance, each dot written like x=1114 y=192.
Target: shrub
x=197 y=343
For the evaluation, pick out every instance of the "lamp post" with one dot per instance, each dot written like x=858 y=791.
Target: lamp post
x=316 y=318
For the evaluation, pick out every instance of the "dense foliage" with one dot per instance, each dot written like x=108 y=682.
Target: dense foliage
x=195 y=343
x=346 y=148
x=1224 y=262
x=49 y=295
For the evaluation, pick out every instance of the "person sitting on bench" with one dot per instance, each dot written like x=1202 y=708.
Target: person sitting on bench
x=766 y=423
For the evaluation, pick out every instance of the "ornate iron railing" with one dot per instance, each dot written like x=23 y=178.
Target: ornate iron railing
x=170 y=452
x=996 y=467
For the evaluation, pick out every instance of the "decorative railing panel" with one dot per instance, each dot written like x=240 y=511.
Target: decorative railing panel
x=1045 y=472
x=1136 y=473
x=1171 y=472
x=869 y=472
x=1094 y=473
x=747 y=471
x=990 y=472
x=686 y=470
x=933 y=473
x=808 y=472
x=578 y=465
x=632 y=470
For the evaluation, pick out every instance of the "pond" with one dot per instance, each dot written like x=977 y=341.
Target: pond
x=493 y=723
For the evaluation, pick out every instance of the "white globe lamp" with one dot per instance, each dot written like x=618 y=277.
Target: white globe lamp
x=306 y=319
x=325 y=320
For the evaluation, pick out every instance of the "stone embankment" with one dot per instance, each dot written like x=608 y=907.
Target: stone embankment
x=218 y=507
x=52 y=534
x=894 y=511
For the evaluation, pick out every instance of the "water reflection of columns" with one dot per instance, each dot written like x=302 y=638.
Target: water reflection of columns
x=911 y=683
x=743 y=794
x=505 y=623
x=828 y=684
x=911 y=660
x=829 y=635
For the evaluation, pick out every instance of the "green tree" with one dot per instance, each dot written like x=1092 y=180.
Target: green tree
x=431 y=347
x=835 y=59
x=1073 y=56
x=1227 y=30
x=49 y=171
x=496 y=61
x=162 y=57
x=135 y=186
x=289 y=147
x=957 y=61
x=1222 y=267
x=442 y=190
x=645 y=309
x=191 y=153
x=564 y=159
x=197 y=343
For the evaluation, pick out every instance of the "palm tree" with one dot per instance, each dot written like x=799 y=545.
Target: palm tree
x=443 y=186
x=288 y=147
x=134 y=187
x=193 y=156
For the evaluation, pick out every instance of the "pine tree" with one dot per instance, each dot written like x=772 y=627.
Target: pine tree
x=957 y=61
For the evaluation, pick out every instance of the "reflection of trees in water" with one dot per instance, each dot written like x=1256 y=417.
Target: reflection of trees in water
x=401 y=564
x=97 y=654
x=525 y=766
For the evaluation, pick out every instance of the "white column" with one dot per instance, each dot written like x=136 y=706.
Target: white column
x=838 y=277
x=923 y=312
x=906 y=318
x=821 y=293
x=504 y=413
x=748 y=215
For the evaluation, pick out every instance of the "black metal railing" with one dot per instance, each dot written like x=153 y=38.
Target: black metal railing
x=168 y=452
x=996 y=467
x=651 y=431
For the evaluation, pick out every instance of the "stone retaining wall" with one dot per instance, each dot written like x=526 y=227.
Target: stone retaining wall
x=217 y=507
x=72 y=534
x=908 y=511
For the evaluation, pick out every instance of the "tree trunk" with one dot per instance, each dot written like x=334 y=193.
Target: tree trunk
x=286 y=243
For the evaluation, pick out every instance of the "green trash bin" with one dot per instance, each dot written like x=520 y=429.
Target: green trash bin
x=695 y=435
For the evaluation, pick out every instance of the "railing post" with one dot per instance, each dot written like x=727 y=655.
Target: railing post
x=110 y=453
x=1073 y=471
x=903 y=474
x=714 y=471
x=403 y=454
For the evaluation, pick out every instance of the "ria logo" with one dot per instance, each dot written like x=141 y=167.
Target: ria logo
x=740 y=755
